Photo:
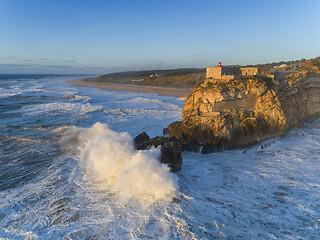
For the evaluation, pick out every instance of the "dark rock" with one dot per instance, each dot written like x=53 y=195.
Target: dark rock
x=141 y=138
x=166 y=132
x=173 y=139
x=170 y=149
x=171 y=155
x=147 y=144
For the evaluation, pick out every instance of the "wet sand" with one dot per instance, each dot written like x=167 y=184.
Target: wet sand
x=166 y=91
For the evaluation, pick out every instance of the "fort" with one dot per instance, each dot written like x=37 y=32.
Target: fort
x=228 y=73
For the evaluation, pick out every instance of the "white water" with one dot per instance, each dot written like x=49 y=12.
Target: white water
x=98 y=187
x=109 y=157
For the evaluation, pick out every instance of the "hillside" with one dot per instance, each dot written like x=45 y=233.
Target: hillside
x=186 y=77
x=191 y=77
x=312 y=65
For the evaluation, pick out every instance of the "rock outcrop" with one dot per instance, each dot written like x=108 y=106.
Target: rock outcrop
x=170 y=149
x=222 y=114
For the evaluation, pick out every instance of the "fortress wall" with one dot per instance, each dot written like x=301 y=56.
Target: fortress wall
x=249 y=71
x=214 y=72
x=227 y=77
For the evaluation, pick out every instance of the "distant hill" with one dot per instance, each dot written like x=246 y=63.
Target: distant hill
x=299 y=62
x=312 y=65
x=183 y=77
x=190 y=77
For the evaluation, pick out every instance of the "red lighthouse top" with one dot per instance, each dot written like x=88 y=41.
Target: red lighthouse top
x=219 y=64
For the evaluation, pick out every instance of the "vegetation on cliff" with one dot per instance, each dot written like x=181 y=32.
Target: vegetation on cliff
x=185 y=77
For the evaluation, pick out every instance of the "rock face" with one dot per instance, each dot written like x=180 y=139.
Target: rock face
x=221 y=114
x=170 y=149
x=140 y=140
x=171 y=155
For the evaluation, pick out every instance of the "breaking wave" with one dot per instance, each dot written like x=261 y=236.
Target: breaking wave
x=110 y=159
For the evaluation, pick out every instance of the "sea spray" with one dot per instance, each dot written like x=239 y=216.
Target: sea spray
x=108 y=156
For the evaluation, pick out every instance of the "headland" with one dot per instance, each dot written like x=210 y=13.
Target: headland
x=250 y=105
x=226 y=107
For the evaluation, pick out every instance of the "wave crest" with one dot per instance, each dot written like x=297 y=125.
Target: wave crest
x=110 y=157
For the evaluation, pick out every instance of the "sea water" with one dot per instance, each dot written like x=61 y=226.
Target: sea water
x=68 y=170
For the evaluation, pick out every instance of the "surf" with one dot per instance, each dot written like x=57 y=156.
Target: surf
x=109 y=157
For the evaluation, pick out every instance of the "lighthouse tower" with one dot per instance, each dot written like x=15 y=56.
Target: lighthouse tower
x=214 y=72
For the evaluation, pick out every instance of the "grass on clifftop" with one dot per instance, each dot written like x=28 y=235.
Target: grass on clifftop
x=183 y=78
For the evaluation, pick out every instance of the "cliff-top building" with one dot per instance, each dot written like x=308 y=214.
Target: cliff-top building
x=261 y=71
x=228 y=73
x=220 y=72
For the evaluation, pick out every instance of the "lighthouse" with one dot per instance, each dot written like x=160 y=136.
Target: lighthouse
x=219 y=64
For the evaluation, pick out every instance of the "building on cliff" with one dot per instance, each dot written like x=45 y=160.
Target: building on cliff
x=219 y=72
x=228 y=73
x=260 y=71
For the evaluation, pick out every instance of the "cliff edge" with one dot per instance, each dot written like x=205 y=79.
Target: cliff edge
x=227 y=114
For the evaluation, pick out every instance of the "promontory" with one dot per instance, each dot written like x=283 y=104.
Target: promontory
x=237 y=107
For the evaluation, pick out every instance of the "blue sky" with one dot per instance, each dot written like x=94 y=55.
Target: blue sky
x=74 y=36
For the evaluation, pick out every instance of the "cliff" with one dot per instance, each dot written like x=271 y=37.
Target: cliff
x=222 y=114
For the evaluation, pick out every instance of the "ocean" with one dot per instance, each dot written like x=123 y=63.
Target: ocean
x=68 y=170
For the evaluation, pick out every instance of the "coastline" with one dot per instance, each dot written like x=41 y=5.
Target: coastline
x=166 y=91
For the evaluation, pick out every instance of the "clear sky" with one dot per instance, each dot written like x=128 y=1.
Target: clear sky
x=75 y=36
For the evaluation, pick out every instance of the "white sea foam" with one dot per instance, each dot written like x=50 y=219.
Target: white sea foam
x=109 y=157
x=142 y=114
x=73 y=95
x=59 y=107
x=151 y=103
x=9 y=94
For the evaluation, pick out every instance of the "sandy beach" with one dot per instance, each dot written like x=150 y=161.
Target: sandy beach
x=167 y=91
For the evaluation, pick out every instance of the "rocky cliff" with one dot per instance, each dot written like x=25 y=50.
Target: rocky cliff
x=221 y=114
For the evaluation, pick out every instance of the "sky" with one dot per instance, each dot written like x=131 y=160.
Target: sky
x=96 y=37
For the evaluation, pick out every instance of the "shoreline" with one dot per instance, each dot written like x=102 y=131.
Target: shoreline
x=165 y=91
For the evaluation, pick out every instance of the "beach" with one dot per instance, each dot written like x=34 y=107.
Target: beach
x=165 y=91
